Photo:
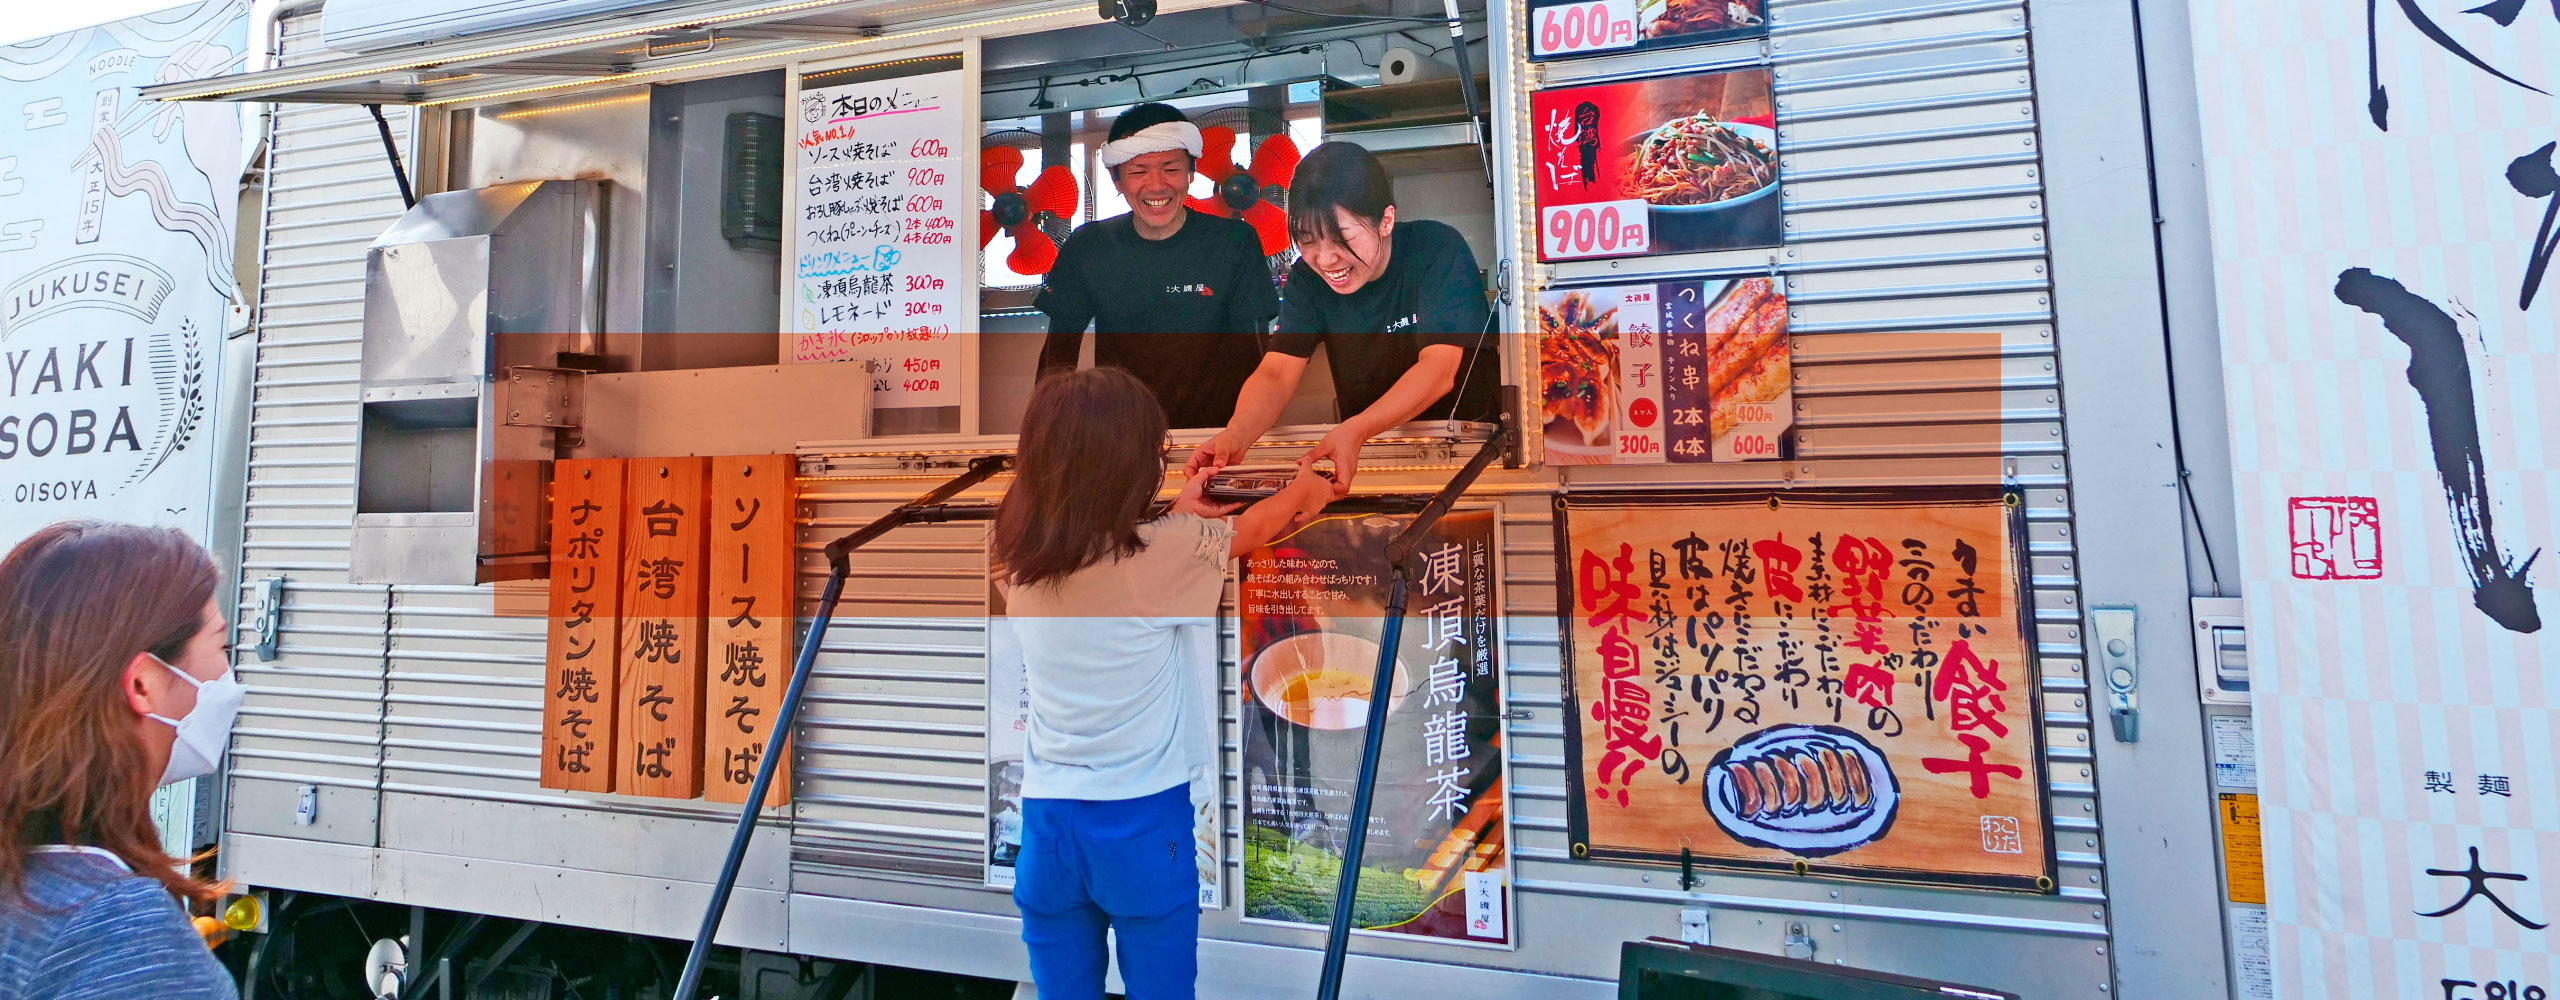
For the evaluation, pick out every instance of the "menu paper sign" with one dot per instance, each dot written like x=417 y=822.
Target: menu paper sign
x=754 y=566
x=879 y=263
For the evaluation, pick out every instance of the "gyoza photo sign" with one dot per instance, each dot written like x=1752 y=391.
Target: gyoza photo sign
x=1835 y=683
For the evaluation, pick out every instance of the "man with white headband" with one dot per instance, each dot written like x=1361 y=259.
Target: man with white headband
x=1178 y=298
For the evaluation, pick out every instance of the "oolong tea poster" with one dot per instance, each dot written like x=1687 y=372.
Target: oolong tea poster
x=1833 y=683
x=1312 y=607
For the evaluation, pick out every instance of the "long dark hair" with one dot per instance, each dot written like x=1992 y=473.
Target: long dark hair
x=1337 y=175
x=1091 y=462
x=77 y=601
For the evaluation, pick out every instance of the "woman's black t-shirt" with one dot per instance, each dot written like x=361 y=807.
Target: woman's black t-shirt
x=1430 y=294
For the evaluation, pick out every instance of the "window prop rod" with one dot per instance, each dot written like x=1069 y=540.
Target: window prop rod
x=931 y=508
x=1337 y=939
x=1467 y=88
x=391 y=152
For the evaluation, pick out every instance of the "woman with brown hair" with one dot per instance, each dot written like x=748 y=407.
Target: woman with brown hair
x=1117 y=609
x=113 y=682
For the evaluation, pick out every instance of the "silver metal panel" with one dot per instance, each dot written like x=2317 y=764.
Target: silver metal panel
x=2109 y=299
x=990 y=946
x=414 y=547
x=313 y=715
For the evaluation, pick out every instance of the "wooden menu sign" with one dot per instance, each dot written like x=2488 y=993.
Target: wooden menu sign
x=755 y=567
x=586 y=626
x=1834 y=683
x=659 y=720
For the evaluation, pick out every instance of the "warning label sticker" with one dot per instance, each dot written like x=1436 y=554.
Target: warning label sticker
x=2243 y=867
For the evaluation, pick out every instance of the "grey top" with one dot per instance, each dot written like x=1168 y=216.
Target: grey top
x=85 y=928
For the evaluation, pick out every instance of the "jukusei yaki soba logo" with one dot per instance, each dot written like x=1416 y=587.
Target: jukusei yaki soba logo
x=99 y=394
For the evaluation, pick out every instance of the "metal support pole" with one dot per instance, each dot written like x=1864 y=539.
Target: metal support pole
x=928 y=507
x=1467 y=86
x=1337 y=939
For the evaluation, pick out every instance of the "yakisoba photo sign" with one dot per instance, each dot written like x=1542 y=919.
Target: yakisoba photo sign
x=1654 y=166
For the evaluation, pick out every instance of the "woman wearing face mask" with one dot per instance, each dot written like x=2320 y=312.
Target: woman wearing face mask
x=112 y=682
x=1399 y=306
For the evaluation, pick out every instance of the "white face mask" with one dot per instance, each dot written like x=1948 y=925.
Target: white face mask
x=206 y=731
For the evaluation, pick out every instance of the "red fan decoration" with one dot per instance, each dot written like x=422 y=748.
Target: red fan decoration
x=1017 y=210
x=1240 y=192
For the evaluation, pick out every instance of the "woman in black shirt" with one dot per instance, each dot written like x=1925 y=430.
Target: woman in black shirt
x=1400 y=308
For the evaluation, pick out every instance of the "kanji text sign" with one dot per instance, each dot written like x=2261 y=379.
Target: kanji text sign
x=659 y=718
x=1827 y=682
x=586 y=626
x=754 y=567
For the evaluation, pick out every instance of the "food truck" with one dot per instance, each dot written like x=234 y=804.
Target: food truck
x=1829 y=597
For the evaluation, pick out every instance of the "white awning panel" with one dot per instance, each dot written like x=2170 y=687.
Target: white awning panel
x=655 y=44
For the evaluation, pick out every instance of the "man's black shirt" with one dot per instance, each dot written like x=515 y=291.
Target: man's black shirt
x=1184 y=313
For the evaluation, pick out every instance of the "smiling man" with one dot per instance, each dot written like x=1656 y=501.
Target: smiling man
x=1176 y=297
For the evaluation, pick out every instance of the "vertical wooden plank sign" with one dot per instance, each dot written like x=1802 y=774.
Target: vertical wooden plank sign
x=586 y=626
x=660 y=718
x=754 y=567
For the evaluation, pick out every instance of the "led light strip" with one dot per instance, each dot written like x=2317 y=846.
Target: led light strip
x=949 y=57
x=783 y=55
x=580 y=106
x=1264 y=443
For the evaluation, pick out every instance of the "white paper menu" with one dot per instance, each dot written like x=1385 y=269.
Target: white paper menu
x=879 y=263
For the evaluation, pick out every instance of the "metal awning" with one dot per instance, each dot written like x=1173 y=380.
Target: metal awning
x=657 y=44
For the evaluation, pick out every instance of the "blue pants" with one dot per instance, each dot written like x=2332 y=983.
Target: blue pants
x=1125 y=865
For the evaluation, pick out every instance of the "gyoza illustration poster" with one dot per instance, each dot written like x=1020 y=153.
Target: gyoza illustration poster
x=1312 y=606
x=1654 y=166
x=1836 y=683
x=1694 y=370
x=1009 y=737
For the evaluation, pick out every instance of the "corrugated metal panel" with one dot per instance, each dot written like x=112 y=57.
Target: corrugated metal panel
x=892 y=758
x=313 y=716
x=1925 y=353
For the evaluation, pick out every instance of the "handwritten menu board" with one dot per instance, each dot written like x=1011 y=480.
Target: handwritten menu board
x=880 y=265
x=659 y=712
x=1831 y=683
x=753 y=569
x=586 y=625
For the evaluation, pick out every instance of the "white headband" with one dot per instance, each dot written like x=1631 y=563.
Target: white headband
x=1160 y=137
